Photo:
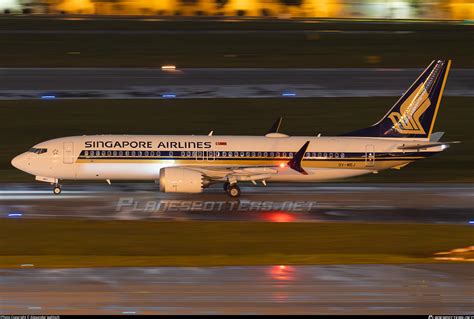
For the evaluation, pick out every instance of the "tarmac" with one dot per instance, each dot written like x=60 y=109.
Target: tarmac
x=328 y=202
x=125 y=83
x=437 y=289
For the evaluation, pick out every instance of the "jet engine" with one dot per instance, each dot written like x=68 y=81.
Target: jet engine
x=181 y=180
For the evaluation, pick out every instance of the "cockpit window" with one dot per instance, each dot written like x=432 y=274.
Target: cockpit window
x=38 y=150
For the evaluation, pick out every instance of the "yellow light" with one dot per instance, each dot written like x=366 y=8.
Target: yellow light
x=242 y=4
x=77 y=6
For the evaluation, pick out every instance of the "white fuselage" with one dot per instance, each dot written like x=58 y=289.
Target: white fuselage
x=140 y=157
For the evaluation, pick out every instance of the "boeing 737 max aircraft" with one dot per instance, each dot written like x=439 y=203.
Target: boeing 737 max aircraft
x=189 y=164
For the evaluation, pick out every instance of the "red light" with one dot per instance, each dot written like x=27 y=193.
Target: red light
x=282 y=273
x=280 y=217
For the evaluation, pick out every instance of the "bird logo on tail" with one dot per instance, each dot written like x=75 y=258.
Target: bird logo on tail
x=407 y=121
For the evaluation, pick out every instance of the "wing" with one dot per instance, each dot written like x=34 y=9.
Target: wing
x=252 y=173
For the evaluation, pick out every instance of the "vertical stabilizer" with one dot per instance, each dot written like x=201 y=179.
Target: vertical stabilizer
x=414 y=114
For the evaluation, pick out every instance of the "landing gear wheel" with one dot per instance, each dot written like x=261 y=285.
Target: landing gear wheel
x=57 y=189
x=233 y=190
x=226 y=186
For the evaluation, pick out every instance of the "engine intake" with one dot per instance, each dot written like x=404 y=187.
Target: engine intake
x=181 y=180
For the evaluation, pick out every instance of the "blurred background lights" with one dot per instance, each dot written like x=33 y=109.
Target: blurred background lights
x=372 y=9
x=10 y=5
x=77 y=6
x=48 y=97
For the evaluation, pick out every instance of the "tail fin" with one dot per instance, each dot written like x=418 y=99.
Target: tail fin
x=414 y=114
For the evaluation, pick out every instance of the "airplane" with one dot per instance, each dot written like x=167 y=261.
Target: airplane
x=189 y=164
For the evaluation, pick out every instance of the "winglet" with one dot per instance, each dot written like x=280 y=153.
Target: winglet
x=276 y=126
x=295 y=162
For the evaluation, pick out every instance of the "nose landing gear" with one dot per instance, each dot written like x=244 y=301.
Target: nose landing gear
x=57 y=189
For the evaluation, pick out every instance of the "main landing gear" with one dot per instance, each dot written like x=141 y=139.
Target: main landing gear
x=57 y=189
x=233 y=190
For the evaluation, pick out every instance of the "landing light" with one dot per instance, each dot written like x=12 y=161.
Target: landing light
x=168 y=68
x=282 y=165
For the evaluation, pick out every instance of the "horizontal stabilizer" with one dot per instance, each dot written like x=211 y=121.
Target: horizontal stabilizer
x=436 y=136
x=425 y=146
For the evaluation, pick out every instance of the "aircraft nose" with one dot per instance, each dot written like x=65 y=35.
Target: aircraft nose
x=20 y=161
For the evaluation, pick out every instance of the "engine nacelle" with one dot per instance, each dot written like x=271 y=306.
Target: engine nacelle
x=181 y=180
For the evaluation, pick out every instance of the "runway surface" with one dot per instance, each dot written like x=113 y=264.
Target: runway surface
x=325 y=289
x=99 y=83
x=411 y=203
x=199 y=31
